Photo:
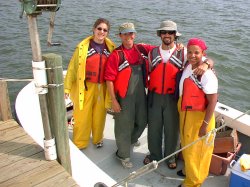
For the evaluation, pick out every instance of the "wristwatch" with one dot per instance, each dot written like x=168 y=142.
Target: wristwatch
x=206 y=62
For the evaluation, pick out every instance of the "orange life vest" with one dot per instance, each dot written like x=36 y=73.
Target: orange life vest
x=193 y=97
x=163 y=75
x=124 y=70
x=95 y=65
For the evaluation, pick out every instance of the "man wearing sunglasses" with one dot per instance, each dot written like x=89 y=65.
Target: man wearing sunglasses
x=165 y=62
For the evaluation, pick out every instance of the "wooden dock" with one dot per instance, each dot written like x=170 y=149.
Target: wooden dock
x=22 y=161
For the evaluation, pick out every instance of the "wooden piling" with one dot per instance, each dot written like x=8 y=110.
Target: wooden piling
x=5 y=109
x=57 y=109
x=37 y=57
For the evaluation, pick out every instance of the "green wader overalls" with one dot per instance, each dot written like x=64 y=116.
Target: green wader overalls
x=132 y=120
x=163 y=126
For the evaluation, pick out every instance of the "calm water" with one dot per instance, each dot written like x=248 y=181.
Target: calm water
x=223 y=24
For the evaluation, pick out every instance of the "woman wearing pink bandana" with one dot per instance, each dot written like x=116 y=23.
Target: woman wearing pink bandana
x=198 y=97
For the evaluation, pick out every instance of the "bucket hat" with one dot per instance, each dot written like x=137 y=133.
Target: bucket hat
x=126 y=28
x=168 y=26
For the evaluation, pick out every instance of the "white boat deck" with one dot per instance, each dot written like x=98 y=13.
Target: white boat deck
x=94 y=165
x=162 y=177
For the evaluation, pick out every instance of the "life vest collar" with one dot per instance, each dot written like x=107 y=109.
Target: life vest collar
x=196 y=80
x=163 y=75
x=95 y=65
x=177 y=58
x=123 y=62
x=123 y=65
x=92 y=50
x=124 y=70
x=175 y=61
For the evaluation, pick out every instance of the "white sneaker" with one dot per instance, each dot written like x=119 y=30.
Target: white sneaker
x=125 y=161
x=137 y=144
x=99 y=145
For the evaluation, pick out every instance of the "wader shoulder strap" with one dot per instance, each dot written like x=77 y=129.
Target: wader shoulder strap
x=142 y=50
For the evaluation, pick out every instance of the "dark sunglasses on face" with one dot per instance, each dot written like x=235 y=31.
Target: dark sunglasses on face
x=167 y=32
x=101 y=29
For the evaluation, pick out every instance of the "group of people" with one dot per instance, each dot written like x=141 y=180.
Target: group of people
x=170 y=88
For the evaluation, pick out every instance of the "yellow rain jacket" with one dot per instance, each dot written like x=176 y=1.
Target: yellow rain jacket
x=75 y=77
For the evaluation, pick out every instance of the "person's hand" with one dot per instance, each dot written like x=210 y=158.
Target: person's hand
x=203 y=130
x=179 y=46
x=116 y=106
x=201 y=69
x=66 y=96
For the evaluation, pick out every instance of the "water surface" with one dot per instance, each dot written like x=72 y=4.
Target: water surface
x=224 y=25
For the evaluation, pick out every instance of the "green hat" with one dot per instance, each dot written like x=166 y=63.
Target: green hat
x=126 y=28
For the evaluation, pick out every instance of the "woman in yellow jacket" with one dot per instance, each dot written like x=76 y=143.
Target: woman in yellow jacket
x=198 y=97
x=85 y=85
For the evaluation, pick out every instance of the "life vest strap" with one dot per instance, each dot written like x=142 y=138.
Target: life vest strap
x=196 y=80
x=123 y=62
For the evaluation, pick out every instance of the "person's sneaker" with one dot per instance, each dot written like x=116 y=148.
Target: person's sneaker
x=99 y=145
x=137 y=144
x=125 y=161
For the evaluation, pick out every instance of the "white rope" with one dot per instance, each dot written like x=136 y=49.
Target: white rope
x=16 y=80
x=51 y=85
x=56 y=67
x=213 y=133
x=207 y=136
x=28 y=80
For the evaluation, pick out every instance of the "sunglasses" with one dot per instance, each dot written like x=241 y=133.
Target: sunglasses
x=167 y=32
x=101 y=29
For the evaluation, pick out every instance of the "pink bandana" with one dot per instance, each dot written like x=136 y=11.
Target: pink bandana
x=199 y=42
